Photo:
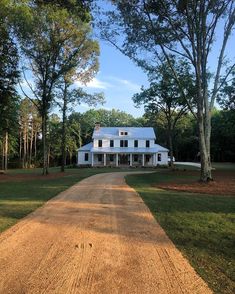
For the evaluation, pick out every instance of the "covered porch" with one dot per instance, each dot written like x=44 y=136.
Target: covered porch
x=123 y=159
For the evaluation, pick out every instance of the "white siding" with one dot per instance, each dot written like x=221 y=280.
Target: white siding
x=131 y=143
x=116 y=143
x=164 y=158
x=81 y=158
x=95 y=143
x=152 y=142
x=106 y=143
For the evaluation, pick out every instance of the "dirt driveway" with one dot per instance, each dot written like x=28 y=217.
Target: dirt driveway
x=96 y=237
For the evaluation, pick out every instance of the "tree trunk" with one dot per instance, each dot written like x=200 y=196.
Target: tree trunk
x=5 y=165
x=24 y=146
x=35 y=145
x=204 y=155
x=3 y=153
x=170 y=140
x=20 y=147
x=27 y=144
x=63 y=141
x=31 y=145
x=44 y=143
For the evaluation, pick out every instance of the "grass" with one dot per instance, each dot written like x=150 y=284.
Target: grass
x=201 y=226
x=19 y=197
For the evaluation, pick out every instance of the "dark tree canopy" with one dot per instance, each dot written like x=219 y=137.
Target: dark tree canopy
x=81 y=8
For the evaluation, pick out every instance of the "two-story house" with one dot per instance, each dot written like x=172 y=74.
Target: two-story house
x=122 y=146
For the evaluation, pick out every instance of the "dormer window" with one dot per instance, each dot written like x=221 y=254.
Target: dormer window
x=123 y=133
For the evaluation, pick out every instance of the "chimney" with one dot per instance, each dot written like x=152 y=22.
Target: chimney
x=97 y=126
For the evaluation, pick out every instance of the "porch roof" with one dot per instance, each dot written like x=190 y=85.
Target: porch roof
x=86 y=147
x=155 y=149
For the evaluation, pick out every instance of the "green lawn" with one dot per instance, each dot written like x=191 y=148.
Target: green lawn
x=201 y=226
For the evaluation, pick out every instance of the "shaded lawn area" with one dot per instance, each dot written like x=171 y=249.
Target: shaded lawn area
x=202 y=226
x=22 y=191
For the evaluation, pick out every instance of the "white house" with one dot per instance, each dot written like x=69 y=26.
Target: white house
x=122 y=146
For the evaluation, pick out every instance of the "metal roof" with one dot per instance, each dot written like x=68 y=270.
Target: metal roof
x=86 y=147
x=132 y=133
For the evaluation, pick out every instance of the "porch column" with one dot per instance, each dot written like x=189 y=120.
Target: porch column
x=116 y=159
x=130 y=159
x=154 y=159
x=142 y=159
x=104 y=159
x=92 y=159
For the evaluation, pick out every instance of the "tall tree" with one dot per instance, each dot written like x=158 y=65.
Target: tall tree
x=69 y=97
x=9 y=75
x=164 y=98
x=185 y=28
x=30 y=127
x=56 y=43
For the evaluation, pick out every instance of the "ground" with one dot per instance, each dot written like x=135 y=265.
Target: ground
x=223 y=183
x=201 y=225
x=96 y=237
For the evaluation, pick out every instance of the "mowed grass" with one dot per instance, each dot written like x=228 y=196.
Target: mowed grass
x=20 y=196
x=201 y=226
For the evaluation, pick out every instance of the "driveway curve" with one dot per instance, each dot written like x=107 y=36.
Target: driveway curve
x=96 y=237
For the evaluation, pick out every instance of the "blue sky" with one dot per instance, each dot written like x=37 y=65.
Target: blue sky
x=119 y=78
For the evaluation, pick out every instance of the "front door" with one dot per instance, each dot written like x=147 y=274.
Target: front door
x=124 y=159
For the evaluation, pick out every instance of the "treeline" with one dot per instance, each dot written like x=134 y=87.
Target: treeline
x=25 y=139
x=185 y=137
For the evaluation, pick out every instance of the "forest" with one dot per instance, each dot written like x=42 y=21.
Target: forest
x=25 y=141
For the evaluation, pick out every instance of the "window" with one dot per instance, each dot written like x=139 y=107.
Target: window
x=136 y=143
x=111 y=157
x=123 y=133
x=99 y=157
x=147 y=143
x=123 y=143
x=100 y=143
x=111 y=143
x=159 y=157
x=136 y=157
x=86 y=156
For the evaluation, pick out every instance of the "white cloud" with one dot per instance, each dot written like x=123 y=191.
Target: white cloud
x=113 y=82
x=128 y=84
x=95 y=83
